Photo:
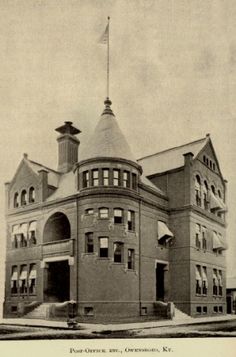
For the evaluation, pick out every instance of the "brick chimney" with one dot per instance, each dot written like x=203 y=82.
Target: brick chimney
x=67 y=146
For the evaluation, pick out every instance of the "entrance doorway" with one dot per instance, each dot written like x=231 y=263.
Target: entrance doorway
x=160 y=283
x=58 y=282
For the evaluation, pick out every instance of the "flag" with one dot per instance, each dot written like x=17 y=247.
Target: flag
x=104 y=38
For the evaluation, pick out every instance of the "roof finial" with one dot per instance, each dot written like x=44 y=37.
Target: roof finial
x=108 y=109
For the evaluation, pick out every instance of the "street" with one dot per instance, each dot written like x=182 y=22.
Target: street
x=213 y=329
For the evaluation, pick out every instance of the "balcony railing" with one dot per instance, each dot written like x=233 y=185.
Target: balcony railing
x=58 y=247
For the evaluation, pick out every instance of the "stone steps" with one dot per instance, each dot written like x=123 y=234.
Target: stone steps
x=179 y=315
x=40 y=312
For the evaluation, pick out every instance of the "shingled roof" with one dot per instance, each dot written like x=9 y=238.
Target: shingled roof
x=107 y=140
x=53 y=176
x=171 y=158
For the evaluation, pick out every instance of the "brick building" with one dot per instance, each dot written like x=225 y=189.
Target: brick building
x=121 y=237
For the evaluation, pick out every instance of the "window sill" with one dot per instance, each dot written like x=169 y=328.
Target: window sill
x=103 y=258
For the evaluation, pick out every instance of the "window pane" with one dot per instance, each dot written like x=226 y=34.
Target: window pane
x=103 y=212
x=105 y=177
x=118 y=215
x=130 y=258
x=118 y=252
x=103 y=242
x=103 y=247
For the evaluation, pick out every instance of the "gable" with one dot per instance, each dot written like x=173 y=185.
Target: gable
x=25 y=180
x=208 y=157
x=24 y=176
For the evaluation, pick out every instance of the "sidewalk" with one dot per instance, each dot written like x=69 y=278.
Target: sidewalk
x=88 y=328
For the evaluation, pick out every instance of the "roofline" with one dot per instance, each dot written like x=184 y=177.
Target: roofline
x=175 y=147
x=45 y=167
x=106 y=158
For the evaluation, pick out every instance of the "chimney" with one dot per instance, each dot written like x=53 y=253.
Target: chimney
x=67 y=146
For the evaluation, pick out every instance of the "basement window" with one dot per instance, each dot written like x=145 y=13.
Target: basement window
x=199 y=309
x=13 y=308
x=88 y=311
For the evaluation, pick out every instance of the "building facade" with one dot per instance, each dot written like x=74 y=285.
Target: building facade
x=121 y=237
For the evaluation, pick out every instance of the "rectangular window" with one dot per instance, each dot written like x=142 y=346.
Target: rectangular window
x=215 y=282
x=32 y=234
x=118 y=215
x=204 y=242
x=220 y=283
x=131 y=259
x=103 y=247
x=88 y=311
x=197 y=236
x=14 y=278
x=126 y=179
x=134 y=181
x=215 y=309
x=220 y=309
x=103 y=212
x=116 y=177
x=95 y=179
x=131 y=220
x=105 y=177
x=199 y=309
x=85 y=179
x=23 y=280
x=198 y=280
x=118 y=252
x=32 y=279
x=204 y=310
x=89 y=242
x=204 y=281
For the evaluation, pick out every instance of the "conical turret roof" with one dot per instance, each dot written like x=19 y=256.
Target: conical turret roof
x=107 y=139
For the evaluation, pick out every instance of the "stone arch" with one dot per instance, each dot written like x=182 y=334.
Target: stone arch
x=57 y=228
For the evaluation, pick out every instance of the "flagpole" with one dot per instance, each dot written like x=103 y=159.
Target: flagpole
x=108 y=57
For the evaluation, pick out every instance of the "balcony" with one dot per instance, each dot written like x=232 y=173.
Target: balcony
x=58 y=248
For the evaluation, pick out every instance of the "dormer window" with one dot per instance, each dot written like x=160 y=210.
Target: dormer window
x=23 y=198
x=31 y=195
x=16 y=200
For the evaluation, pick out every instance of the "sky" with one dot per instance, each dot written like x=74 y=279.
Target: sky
x=172 y=79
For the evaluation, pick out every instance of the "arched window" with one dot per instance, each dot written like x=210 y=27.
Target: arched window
x=205 y=195
x=219 y=194
x=23 y=198
x=16 y=200
x=213 y=189
x=31 y=195
x=198 y=191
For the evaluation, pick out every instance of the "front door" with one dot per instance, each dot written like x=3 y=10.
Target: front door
x=160 y=284
x=57 y=288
